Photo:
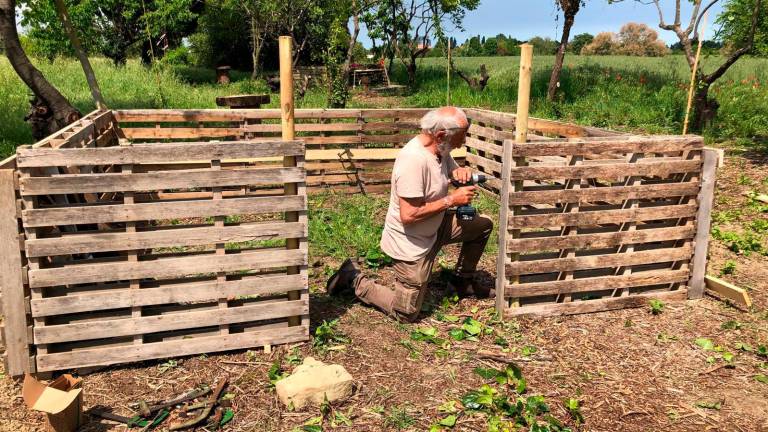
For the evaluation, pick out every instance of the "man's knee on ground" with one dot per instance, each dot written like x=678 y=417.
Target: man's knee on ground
x=484 y=225
x=407 y=299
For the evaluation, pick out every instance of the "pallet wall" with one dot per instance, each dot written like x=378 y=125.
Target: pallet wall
x=97 y=128
x=123 y=266
x=348 y=150
x=597 y=223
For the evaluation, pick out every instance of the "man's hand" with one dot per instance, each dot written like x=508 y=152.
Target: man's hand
x=462 y=175
x=463 y=195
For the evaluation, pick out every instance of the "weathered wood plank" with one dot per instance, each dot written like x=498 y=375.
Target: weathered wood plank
x=729 y=291
x=157 y=238
x=599 y=261
x=599 y=240
x=493 y=134
x=11 y=280
x=165 y=267
x=597 y=283
x=486 y=163
x=703 y=220
x=165 y=294
x=177 y=321
x=604 y=193
x=181 y=179
x=181 y=347
x=603 y=217
x=157 y=153
x=661 y=168
x=620 y=144
x=590 y=306
x=488 y=147
x=160 y=210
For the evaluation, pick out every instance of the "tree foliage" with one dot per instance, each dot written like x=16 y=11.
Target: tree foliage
x=406 y=28
x=735 y=23
x=632 y=40
x=111 y=28
x=580 y=41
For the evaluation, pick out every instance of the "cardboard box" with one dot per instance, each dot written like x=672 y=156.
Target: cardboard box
x=61 y=400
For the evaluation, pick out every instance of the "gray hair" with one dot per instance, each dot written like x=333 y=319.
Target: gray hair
x=435 y=121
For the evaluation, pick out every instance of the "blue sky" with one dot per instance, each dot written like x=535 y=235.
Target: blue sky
x=525 y=19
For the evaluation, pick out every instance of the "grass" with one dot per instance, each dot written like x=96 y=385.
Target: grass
x=627 y=93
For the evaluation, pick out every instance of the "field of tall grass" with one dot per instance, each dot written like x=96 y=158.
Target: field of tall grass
x=628 y=93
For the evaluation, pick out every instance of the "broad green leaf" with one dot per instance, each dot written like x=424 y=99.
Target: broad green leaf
x=705 y=344
x=472 y=326
x=449 y=421
x=457 y=334
x=451 y=318
x=709 y=405
x=761 y=378
x=487 y=373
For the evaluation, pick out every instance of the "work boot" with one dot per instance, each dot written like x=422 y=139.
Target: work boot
x=466 y=286
x=341 y=281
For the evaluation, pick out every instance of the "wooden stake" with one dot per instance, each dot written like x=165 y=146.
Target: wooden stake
x=523 y=93
x=12 y=281
x=288 y=133
x=693 y=74
x=521 y=137
x=448 y=72
x=703 y=219
x=90 y=76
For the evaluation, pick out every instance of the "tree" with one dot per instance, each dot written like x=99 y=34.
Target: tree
x=570 y=8
x=51 y=110
x=602 y=44
x=406 y=27
x=112 y=27
x=747 y=13
x=543 y=46
x=580 y=41
x=735 y=26
x=639 y=40
x=61 y=10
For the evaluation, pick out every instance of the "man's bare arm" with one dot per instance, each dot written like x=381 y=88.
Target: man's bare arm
x=417 y=209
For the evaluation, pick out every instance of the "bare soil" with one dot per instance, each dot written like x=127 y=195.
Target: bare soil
x=631 y=370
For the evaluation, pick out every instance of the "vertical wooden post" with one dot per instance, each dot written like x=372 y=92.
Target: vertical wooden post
x=521 y=136
x=130 y=227
x=501 y=261
x=703 y=219
x=448 y=88
x=523 y=93
x=12 y=281
x=288 y=133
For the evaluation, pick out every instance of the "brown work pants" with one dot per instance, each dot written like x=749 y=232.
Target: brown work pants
x=412 y=277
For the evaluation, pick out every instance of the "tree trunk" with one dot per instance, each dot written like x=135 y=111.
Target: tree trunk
x=704 y=108
x=554 y=79
x=90 y=76
x=411 y=69
x=60 y=112
x=352 y=41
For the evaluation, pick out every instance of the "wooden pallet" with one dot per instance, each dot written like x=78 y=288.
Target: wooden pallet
x=117 y=279
x=597 y=223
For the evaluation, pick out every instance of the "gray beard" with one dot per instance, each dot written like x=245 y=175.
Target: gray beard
x=444 y=148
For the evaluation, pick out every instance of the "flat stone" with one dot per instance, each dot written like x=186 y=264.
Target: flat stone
x=312 y=382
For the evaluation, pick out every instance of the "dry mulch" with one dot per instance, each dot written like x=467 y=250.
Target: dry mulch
x=631 y=370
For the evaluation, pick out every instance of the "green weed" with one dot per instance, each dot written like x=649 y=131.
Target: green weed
x=399 y=418
x=657 y=306
x=728 y=268
x=328 y=337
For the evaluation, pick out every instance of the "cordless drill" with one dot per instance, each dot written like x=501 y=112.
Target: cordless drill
x=467 y=212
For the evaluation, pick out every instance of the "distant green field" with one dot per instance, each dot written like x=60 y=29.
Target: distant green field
x=645 y=94
x=628 y=93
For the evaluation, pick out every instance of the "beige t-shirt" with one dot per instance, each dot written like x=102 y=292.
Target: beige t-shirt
x=416 y=174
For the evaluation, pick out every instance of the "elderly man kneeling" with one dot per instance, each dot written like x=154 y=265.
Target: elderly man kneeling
x=418 y=224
